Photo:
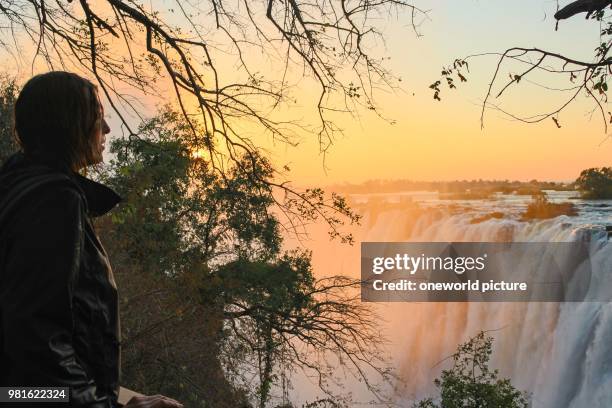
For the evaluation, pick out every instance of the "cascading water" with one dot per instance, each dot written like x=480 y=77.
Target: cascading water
x=561 y=353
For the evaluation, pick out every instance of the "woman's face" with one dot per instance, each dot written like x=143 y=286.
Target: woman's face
x=99 y=137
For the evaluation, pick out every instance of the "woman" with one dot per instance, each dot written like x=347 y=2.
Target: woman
x=59 y=321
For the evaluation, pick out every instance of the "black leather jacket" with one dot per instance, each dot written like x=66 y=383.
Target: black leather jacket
x=59 y=321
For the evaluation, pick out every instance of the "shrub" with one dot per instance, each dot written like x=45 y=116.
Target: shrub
x=541 y=208
x=470 y=383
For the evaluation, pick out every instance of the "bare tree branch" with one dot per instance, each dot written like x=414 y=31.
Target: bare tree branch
x=588 y=77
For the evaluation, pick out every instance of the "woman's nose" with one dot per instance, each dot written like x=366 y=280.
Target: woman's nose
x=105 y=127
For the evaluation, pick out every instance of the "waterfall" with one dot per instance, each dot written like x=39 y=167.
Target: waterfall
x=561 y=353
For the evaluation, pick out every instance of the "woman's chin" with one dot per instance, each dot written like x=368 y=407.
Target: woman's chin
x=97 y=159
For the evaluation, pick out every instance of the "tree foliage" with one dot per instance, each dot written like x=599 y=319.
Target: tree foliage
x=193 y=247
x=8 y=95
x=470 y=383
x=595 y=183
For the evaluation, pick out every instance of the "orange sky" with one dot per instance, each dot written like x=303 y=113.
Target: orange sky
x=443 y=140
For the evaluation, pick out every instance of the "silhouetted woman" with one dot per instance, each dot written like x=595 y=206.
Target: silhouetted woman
x=59 y=320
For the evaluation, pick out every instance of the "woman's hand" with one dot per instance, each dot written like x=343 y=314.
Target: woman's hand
x=152 y=401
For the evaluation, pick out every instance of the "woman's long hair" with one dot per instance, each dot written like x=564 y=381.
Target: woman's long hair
x=55 y=117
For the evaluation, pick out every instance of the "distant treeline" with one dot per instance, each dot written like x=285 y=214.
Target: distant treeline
x=457 y=186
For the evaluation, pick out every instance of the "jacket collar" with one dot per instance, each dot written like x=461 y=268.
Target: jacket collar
x=99 y=198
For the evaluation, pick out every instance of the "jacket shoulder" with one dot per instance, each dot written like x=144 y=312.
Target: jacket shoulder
x=36 y=195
